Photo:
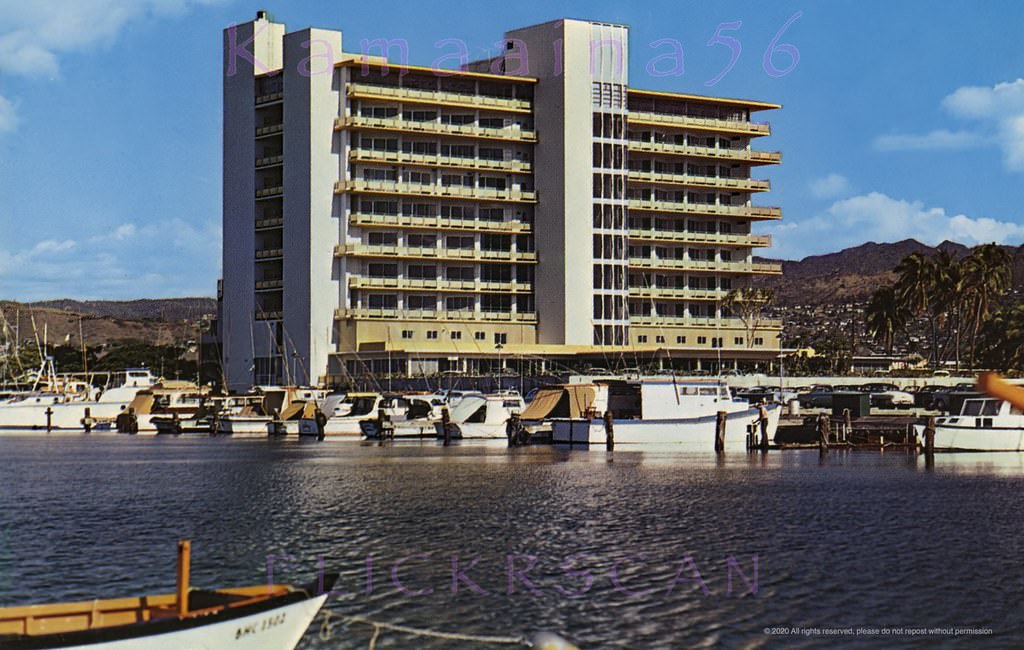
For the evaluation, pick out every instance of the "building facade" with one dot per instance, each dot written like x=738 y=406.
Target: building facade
x=530 y=210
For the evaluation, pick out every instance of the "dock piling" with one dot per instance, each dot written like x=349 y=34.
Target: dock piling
x=445 y=421
x=609 y=431
x=824 y=427
x=720 y=421
x=184 y=568
x=847 y=426
x=49 y=419
x=87 y=420
x=763 y=421
x=929 y=442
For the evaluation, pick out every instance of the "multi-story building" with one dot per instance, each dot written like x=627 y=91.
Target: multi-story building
x=530 y=208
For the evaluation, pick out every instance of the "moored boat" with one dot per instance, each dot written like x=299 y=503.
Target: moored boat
x=651 y=411
x=266 y=616
x=482 y=416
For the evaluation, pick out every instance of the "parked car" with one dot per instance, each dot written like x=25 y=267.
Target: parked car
x=817 y=396
x=762 y=394
x=925 y=395
x=943 y=399
x=888 y=396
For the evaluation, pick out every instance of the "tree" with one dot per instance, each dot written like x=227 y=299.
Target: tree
x=885 y=316
x=749 y=304
x=914 y=290
x=987 y=276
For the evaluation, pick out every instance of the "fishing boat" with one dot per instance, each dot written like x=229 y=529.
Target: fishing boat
x=61 y=403
x=415 y=416
x=265 y=616
x=342 y=417
x=169 y=406
x=482 y=416
x=269 y=410
x=993 y=423
x=652 y=410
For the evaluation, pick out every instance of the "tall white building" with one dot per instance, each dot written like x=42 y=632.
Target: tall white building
x=530 y=209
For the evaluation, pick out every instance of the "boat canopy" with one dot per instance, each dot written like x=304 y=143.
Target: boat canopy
x=569 y=401
x=467 y=408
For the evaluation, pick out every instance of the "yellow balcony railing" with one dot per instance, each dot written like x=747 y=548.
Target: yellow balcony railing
x=417 y=284
x=269 y=98
x=359 y=154
x=269 y=315
x=689 y=180
x=443 y=223
x=748 y=155
x=440 y=191
x=717 y=323
x=700 y=237
x=699 y=123
x=446 y=98
x=269 y=253
x=367 y=250
x=769 y=268
x=513 y=132
x=745 y=211
x=270 y=222
x=677 y=293
x=401 y=314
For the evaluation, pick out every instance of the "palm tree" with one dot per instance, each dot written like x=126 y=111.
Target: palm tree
x=914 y=288
x=987 y=276
x=947 y=302
x=885 y=316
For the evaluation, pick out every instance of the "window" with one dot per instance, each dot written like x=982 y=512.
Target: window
x=758 y=340
x=431 y=335
x=457 y=150
x=738 y=340
x=659 y=339
x=492 y=214
x=495 y=272
x=420 y=241
x=457 y=211
x=642 y=338
x=423 y=178
x=383 y=270
x=479 y=336
x=457 y=180
x=492 y=182
x=496 y=302
x=492 y=122
x=421 y=271
x=459 y=303
x=680 y=340
x=406 y=334
x=488 y=153
x=454 y=241
x=422 y=148
x=383 y=239
x=379 y=111
x=464 y=273
x=419 y=116
x=702 y=340
x=493 y=242
x=456 y=336
x=382 y=301
x=459 y=118
x=421 y=302
x=500 y=338
x=378 y=174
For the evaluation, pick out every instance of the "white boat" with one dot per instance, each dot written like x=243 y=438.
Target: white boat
x=650 y=411
x=984 y=424
x=168 y=406
x=482 y=416
x=270 y=410
x=67 y=405
x=414 y=416
x=259 y=617
x=342 y=416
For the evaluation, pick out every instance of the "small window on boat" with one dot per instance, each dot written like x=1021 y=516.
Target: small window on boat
x=708 y=391
x=510 y=404
x=479 y=416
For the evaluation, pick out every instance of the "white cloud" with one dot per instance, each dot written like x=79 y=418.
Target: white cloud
x=8 y=116
x=932 y=141
x=829 y=187
x=34 y=34
x=878 y=217
x=165 y=259
x=998 y=111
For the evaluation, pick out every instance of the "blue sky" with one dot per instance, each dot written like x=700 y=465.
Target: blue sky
x=901 y=119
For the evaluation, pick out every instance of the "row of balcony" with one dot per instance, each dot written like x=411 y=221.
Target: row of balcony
x=269 y=98
x=269 y=253
x=677 y=293
x=690 y=321
x=700 y=237
x=442 y=97
x=514 y=132
x=270 y=222
x=269 y=285
x=691 y=180
x=269 y=161
x=435 y=284
x=699 y=123
x=269 y=315
x=445 y=223
x=769 y=268
x=441 y=191
x=268 y=192
x=358 y=154
x=718 y=153
x=466 y=254
x=745 y=211
x=271 y=129
x=410 y=314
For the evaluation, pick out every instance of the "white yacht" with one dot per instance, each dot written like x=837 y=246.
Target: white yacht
x=411 y=416
x=62 y=403
x=650 y=411
x=984 y=424
x=269 y=410
x=344 y=414
x=482 y=416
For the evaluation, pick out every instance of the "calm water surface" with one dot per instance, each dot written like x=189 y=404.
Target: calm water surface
x=858 y=540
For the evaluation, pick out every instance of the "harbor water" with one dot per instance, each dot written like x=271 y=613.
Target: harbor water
x=631 y=549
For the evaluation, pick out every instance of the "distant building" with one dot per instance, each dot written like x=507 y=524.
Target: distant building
x=383 y=217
